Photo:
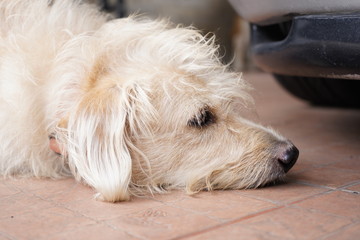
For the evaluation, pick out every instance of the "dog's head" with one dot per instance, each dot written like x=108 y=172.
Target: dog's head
x=157 y=109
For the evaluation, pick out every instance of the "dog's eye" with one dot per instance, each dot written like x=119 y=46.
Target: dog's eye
x=204 y=118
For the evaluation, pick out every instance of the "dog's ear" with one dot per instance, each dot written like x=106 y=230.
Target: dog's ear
x=99 y=141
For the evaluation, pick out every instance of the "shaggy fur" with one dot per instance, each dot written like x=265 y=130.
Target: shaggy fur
x=136 y=105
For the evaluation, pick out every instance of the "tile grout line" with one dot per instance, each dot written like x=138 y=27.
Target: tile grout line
x=248 y=195
x=280 y=203
x=228 y=223
x=339 y=230
x=354 y=183
x=96 y=221
x=314 y=185
x=340 y=188
x=221 y=221
x=290 y=204
x=309 y=197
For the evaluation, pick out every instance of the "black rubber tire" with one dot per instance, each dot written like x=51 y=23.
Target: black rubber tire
x=323 y=91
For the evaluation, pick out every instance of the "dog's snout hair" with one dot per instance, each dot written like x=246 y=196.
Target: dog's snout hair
x=135 y=105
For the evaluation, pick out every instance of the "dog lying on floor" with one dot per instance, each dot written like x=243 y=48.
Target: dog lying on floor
x=131 y=105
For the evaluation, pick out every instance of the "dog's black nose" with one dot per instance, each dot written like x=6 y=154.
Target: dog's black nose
x=288 y=158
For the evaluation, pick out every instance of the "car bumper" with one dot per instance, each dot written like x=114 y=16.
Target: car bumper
x=311 y=46
x=273 y=11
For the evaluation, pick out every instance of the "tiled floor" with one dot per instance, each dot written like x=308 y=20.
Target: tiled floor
x=321 y=199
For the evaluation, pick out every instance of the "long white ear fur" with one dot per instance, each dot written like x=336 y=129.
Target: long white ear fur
x=97 y=143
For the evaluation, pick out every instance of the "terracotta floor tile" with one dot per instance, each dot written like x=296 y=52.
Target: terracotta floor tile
x=284 y=193
x=340 y=203
x=352 y=163
x=317 y=142
x=5 y=190
x=284 y=223
x=42 y=223
x=4 y=236
x=302 y=164
x=69 y=192
x=233 y=232
x=32 y=184
x=21 y=203
x=223 y=205
x=351 y=232
x=326 y=176
x=355 y=188
x=348 y=150
x=98 y=231
x=334 y=157
x=288 y=223
x=293 y=223
x=162 y=222
x=170 y=197
x=102 y=210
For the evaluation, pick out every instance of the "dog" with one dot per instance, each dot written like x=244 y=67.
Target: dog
x=127 y=106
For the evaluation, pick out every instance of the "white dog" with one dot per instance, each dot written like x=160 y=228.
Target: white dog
x=132 y=105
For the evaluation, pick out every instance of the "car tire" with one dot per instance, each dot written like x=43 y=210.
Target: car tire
x=323 y=91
